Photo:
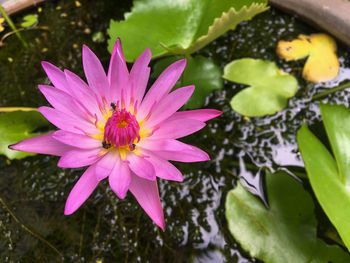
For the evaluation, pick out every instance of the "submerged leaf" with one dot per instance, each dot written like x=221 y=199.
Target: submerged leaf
x=179 y=26
x=16 y=126
x=287 y=232
x=199 y=71
x=330 y=177
x=322 y=63
x=269 y=88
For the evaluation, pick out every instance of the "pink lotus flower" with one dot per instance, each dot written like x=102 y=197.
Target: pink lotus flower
x=110 y=126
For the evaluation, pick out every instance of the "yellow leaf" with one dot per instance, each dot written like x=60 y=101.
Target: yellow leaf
x=322 y=63
x=2 y=20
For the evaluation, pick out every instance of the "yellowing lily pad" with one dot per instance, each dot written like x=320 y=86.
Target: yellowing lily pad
x=2 y=20
x=269 y=88
x=322 y=63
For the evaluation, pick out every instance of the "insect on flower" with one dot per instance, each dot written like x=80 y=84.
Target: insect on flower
x=118 y=131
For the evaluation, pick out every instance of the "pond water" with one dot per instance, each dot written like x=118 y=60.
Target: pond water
x=33 y=191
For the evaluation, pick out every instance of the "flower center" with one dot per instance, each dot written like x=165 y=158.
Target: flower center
x=121 y=130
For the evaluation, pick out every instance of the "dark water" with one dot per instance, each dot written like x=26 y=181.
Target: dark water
x=33 y=191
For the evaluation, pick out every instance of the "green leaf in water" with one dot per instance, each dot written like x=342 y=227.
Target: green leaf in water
x=287 y=232
x=29 y=20
x=269 y=89
x=330 y=177
x=16 y=126
x=181 y=27
x=199 y=71
x=97 y=37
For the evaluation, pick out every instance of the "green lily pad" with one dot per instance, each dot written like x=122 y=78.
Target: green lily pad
x=269 y=89
x=178 y=26
x=330 y=176
x=29 y=20
x=200 y=71
x=16 y=126
x=287 y=232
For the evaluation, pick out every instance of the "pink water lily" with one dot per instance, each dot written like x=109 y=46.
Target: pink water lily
x=120 y=132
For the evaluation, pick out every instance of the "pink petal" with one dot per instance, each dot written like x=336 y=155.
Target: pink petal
x=173 y=129
x=95 y=74
x=44 y=144
x=164 y=169
x=79 y=158
x=62 y=101
x=140 y=166
x=120 y=179
x=56 y=76
x=83 y=93
x=174 y=150
x=201 y=114
x=169 y=105
x=161 y=87
x=105 y=165
x=81 y=191
x=67 y=122
x=146 y=193
x=76 y=140
x=118 y=74
x=139 y=75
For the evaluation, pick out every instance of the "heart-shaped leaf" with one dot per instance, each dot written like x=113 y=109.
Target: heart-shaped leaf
x=29 y=20
x=329 y=177
x=199 y=71
x=322 y=64
x=178 y=26
x=16 y=126
x=287 y=232
x=269 y=89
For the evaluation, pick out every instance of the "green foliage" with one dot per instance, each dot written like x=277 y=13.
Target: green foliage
x=330 y=176
x=269 y=88
x=287 y=232
x=199 y=71
x=181 y=27
x=16 y=126
x=29 y=20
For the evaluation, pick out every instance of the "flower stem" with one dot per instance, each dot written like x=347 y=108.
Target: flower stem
x=330 y=91
x=13 y=27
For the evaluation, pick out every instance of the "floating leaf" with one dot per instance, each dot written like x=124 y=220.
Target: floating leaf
x=16 y=126
x=199 y=71
x=97 y=37
x=180 y=26
x=269 y=87
x=29 y=20
x=287 y=232
x=329 y=177
x=322 y=63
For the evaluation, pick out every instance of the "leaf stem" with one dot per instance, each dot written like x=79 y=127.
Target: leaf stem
x=28 y=230
x=19 y=30
x=13 y=27
x=10 y=109
x=330 y=91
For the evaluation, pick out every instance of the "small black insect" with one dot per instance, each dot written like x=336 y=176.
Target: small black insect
x=113 y=106
x=106 y=145
x=133 y=146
